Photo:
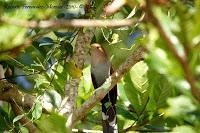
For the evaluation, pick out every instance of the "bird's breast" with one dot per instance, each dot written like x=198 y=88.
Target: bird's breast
x=101 y=72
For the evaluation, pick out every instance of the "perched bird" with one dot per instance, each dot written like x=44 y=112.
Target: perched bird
x=100 y=70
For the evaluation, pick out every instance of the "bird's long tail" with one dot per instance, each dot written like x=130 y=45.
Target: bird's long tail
x=109 y=121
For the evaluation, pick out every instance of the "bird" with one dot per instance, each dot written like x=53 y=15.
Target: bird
x=101 y=69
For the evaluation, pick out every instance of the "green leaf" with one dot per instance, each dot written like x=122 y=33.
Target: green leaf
x=136 y=98
x=125 y=113
x=4 y=119
x=37 y=110
x=159 y=61
x=45 y=44
x=12 y=37
x=52 y=123
x=158 y=91
x=23 y=129
x=138 y=75
x=41 y=81
x=63 y=34
x=184 y=129
x=45 y=41
x=51 y=99
x=156 y=128
x=73 y=70
x=179 y=106
x=17 y=118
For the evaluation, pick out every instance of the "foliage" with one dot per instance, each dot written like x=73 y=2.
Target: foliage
x=153 y=96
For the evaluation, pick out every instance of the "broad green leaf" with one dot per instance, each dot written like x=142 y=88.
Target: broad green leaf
x=125 y=113
x=51 y=100
x=159 y=90
x=136 y=98
x=159 y=61
x=138 y=75
x=23 y=129
x=52 y=123
x=121 y=93
x=37 y=110
x=179 y=106
x=85 y=87
x=87 y=81
x=41 y=81
x=184 y=129
x=13 y=36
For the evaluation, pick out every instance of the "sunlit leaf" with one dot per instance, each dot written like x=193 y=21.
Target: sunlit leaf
x=184 y=129
x=73 y=70
x=53 y=123
x=160 y=89
x=13 y=36
x=37 y=110
x=138 y=75
x=23 y=129
x=46 y=41
x=51 y=100
x=179 y=106
x=137 y=99
x=17 y=118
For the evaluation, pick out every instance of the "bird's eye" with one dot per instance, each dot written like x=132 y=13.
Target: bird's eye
x=98 y=47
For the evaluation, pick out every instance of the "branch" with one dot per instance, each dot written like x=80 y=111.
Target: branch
x=115 y=6
x=182 y=60
x=1 y=72
x=99 y=93
x=24 y=120
x=9 y=92
x=68 y=23
x=71 y=88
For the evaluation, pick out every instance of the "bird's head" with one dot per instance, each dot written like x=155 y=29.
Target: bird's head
x=98 y=54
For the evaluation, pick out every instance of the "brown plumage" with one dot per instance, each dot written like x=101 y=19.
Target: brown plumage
x=100 y=71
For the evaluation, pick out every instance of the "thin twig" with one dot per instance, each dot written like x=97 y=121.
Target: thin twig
x=181 y=59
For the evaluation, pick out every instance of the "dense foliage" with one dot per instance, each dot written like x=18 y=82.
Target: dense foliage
x=155 y=95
